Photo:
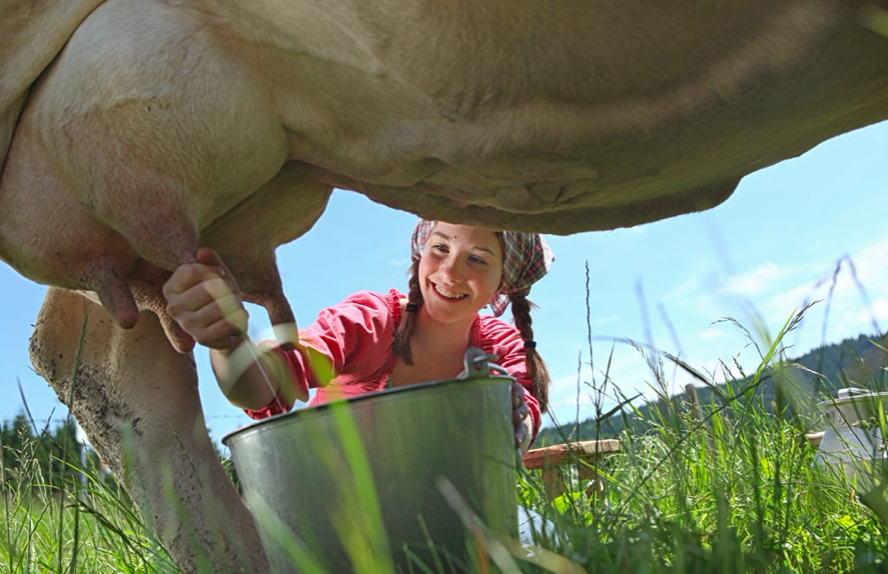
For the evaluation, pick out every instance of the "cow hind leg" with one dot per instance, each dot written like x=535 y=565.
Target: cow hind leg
x=137 y=400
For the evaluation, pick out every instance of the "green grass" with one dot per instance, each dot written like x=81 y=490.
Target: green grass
x=723 y=487
x=77 y=522
x=741 y=493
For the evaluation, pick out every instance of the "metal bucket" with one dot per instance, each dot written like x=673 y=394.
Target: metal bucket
x=302 y=475
x=852 y=439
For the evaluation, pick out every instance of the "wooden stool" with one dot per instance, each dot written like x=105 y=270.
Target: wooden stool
x=550 y=459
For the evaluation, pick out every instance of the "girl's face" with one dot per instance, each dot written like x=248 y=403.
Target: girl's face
x=460 y=270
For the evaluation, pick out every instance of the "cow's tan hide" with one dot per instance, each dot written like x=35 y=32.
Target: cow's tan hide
x=135 y=130
x=158 y=118
x=129 y=159
x=31 y=35
x=137 y=399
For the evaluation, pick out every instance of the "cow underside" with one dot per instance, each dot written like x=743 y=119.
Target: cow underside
x=157 y=123
x=136 y=131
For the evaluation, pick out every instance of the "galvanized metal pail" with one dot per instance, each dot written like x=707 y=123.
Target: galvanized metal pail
x=302 y=478
x=853 y=439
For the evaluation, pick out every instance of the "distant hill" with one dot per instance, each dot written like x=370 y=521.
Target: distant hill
x=802 y=383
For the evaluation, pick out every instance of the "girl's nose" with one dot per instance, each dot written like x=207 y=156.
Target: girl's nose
x=454 y=270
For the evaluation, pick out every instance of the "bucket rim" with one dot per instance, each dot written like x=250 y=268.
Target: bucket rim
x=485 y=379
x=862 y=398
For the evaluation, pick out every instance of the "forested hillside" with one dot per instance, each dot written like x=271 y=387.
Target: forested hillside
x=50 y=454
x=797 y=384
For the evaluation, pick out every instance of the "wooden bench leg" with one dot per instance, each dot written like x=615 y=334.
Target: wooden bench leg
x=589 y=473
x=553 y=481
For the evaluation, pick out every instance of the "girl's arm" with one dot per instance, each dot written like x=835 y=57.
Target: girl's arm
x=253 y=387
x=204 y=299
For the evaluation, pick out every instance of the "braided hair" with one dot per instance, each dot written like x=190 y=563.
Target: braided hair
x=401 y=344
x=536 y=366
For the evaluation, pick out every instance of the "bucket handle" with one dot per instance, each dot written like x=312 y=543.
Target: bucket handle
x=480 y=365
x=853 y=392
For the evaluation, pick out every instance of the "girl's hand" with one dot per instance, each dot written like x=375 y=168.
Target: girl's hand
x=204 y=299
x=520 y=417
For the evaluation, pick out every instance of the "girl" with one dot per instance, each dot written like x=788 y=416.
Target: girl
x=373 y=341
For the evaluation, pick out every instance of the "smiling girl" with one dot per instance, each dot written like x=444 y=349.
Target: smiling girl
x=374 y=341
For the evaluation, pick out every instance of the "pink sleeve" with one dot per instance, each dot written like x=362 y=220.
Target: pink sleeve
x=504 y=341
x=354 y=337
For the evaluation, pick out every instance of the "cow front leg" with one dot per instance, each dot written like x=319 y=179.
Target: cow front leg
x=137 y=400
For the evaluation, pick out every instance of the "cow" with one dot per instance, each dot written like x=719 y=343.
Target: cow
x=133 y=132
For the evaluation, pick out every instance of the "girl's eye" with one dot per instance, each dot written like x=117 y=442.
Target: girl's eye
x=476 y=259
x=439 y=247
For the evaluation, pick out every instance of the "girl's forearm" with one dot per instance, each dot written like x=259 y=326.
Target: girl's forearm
x=244 y=381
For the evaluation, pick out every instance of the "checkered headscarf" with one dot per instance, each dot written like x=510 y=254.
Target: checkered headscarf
x=526 y=259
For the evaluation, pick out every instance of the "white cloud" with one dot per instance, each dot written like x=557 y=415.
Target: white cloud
x=755 y=281
x=841 y=331
x=870 y=267
x=712 y=334
x=399 y=262
x=790 y=298
x=878 y=311
x=842 y=308
x=871 y=264
x=684 y=290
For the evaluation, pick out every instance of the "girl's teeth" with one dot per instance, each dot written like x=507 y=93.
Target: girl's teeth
x=449 y=294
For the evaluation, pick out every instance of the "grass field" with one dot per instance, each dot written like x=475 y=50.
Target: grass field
x=724 y=487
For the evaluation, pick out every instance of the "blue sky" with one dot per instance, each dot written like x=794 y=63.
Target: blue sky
x=769 y=247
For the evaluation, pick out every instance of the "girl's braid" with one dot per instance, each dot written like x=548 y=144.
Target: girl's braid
x=401 y=345
x=536 y=367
